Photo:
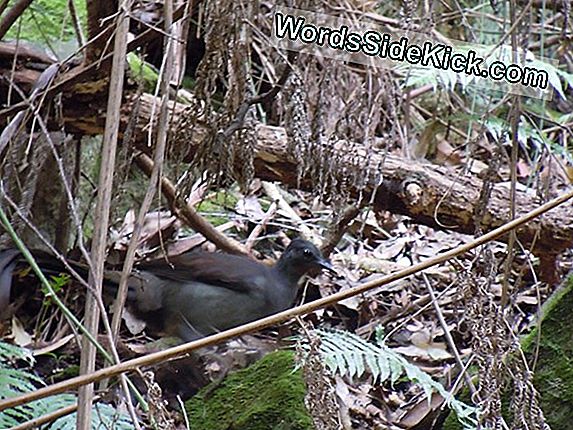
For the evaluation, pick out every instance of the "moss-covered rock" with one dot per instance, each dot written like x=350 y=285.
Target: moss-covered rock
x=268 y=395
x=553 y=373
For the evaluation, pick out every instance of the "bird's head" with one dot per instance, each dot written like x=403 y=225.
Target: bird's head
x=300 y=258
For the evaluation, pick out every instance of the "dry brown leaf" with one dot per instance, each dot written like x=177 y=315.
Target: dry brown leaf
x=19 y=333
x=53 y=346
x=419 y=411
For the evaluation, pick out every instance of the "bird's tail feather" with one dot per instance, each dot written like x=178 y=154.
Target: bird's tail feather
x=11 y=259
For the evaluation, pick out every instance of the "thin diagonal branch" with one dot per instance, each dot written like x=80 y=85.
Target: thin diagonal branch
x=187 y=213
x=166 y=73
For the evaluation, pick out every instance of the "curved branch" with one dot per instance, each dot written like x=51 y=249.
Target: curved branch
x=13 y=14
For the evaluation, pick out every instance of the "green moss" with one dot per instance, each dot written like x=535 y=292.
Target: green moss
x=553 y=372
x=142 y=72
x=266 y=396
x=67 y=372
x=451 y=422
x=218 y=203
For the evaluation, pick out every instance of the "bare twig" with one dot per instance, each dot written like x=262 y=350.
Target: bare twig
x=166 y=73
x=273 y=192
x=515 y=114
x=281 y=316
x=76 y=23
x=260 y=226
x=101 y=219
x=188 y=214
x=180 y=33
x=448 y=335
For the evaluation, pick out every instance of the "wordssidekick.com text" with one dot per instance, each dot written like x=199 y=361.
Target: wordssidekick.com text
x=372 y=43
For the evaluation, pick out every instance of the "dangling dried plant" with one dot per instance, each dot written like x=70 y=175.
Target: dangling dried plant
x=222 y=89
x=327 y=107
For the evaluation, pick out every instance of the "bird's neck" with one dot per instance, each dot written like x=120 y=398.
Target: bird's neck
x=287 y=271
x=286 y=286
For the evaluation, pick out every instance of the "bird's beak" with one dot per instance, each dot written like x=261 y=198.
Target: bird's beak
x=327 y=265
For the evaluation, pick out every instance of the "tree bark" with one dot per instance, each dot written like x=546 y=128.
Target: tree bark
x=429 y=194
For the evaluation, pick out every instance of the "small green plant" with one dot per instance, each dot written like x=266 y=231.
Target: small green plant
x=57 y=283
x=142 y=72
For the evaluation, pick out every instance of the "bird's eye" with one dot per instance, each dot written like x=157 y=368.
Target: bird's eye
x=307 y=253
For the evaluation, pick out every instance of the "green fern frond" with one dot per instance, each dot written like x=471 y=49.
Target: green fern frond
x=103 y=416
x=11 y=353
x=14 y=382
x=348 y=354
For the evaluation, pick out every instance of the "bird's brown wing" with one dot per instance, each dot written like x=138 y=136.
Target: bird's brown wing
x=228 y=271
